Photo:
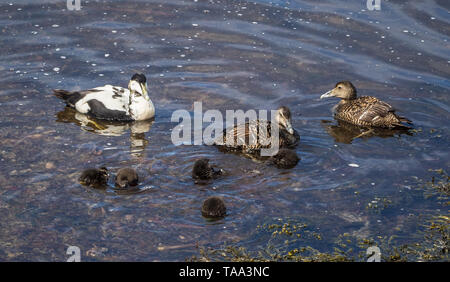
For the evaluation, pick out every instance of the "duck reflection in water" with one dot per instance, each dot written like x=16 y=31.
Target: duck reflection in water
x=344 y=132
x=138 y=142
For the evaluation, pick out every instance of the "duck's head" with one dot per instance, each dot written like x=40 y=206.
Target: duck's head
x=344 y=90
x=283 y=117
x=138 y=85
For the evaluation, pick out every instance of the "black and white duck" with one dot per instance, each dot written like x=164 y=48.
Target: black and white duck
x=247 y=137
x=113 y=102
x=94 y=177
x=366 y=111
x=214 y=207
x=202 y=170
x=126 y=177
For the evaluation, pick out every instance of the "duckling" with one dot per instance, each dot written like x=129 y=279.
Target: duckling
x=242 y=135
x=94 y=177
x=285 y=158
x=364 y=111
x=113 y=102
x=203 y=171
x=126 y=177
x=214 y=207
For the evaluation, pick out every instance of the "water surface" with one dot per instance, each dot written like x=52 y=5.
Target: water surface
x=228 y=55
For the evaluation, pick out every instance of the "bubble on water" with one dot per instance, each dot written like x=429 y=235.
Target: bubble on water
x=106 y=55
x=353 y=165
x=56 y=69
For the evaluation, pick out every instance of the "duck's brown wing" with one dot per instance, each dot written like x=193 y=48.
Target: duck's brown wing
x=247 y=135
x=369 y=111
x=373 y=109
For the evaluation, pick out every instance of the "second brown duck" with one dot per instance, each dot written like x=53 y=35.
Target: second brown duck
x=364 y=111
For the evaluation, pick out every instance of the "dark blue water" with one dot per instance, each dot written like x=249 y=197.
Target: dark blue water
x=229 y=55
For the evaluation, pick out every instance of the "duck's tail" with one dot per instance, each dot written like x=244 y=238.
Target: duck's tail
x=70 y=97
x=62 y=94
x=401 y=121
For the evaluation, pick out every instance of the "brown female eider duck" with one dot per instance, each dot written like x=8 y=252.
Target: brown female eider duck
x=285 y=158
x=241 y=135
x=364 y=111
x=126 y=177
x=94 y=177
x=203 y=171
x=113 y=102
x=214 y=207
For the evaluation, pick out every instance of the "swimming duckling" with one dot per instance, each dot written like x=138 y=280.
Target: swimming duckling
x=214 y=207
x=113 y=102
x=203 y=171
x=285 y=158
x=94 y=177
x=246 y=137
x=126 y=177
x=365 y=111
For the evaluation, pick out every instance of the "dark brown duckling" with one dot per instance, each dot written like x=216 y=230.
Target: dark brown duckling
x=214 y=207
x=202 y=170
x=94 y=177
x=246 y=138
x=126 y=177
x=364 y=111
x=285 y=158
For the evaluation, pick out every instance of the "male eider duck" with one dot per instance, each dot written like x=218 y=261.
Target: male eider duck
x=240 y=134
x=126 y=177
x=113 y=102
x=364 y=111
x=285 y=158
x=202 y=170
x=214 y=207
x=94 y=177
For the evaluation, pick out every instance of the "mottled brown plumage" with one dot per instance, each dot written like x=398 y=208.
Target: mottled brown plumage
x=214 y=207
x=364 y=111
x=248 y=137
x=93 y=177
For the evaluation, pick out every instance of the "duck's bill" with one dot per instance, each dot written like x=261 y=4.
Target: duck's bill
x=289 y=127
x=144 y=89
x=327 y=94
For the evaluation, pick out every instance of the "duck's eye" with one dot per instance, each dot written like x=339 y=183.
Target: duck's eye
x=339 y=87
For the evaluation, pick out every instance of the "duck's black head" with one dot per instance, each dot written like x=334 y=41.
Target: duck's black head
x=138 y=85
x=214 y=207
x=343 y=89
x=285 y=158
x=139 y=77
x=126 y=177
